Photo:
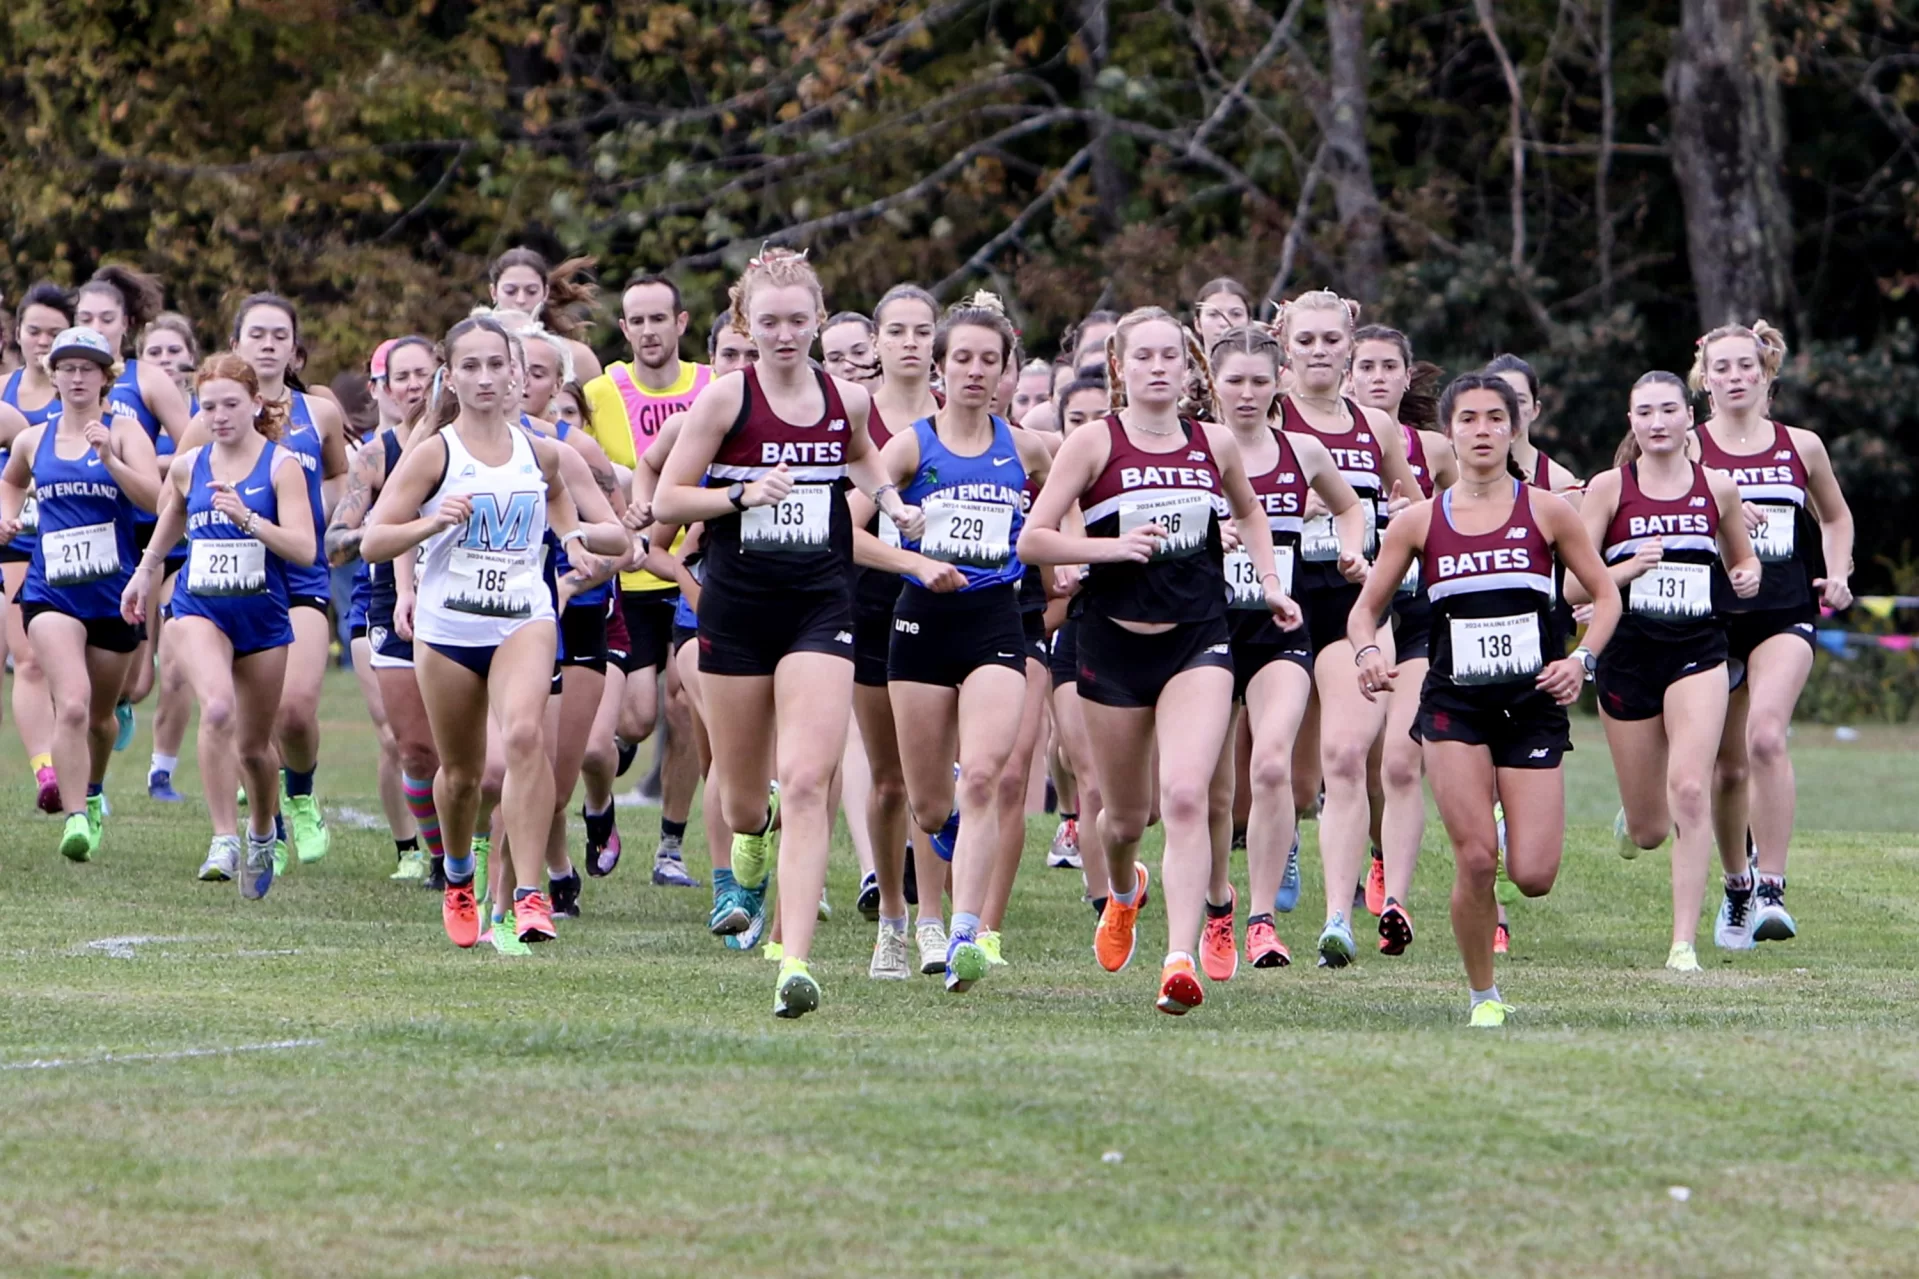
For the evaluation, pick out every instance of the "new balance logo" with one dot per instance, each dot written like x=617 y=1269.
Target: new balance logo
x=1196 y=455
x=1220 y=648
x=1541 y=753
x=1783 y=455
x=1697 y=501
x=842 y=637
x=837 y=424
x=1516 y=534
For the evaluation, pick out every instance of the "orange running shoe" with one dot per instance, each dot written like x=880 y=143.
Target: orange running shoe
x=1179 y=988
x=1218 y=947
x=1264 y=949
x=1376 y=885
x=1395 y=929
x=533 y=915
x=1502 y=939
x=461 y=915
x=1113 y=939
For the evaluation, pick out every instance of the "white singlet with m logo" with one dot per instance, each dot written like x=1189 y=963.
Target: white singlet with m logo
x=482 y=580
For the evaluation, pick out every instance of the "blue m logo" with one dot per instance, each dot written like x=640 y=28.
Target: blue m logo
x=491 y=529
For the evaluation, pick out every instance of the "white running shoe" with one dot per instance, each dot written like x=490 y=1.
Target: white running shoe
x=1732 y=928
x=889 y=956
x=1771 y=922
x=932 y=941
x=223 y=860
x=1064 y=853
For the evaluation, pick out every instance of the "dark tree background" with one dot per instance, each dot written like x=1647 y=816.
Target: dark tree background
x=1584 y=182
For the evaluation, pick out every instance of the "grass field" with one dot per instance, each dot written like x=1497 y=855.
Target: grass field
x=623 y=1103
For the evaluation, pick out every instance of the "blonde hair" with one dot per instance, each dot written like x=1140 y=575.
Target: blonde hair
x=1249 y=339
x=1316 y=300
x=269 y=420
x=777 y=268
x=1770 y=341
x=525 y=329
x=1116 y=350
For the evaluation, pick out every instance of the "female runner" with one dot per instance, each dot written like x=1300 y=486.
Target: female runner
x=762 y=460
x=402 y=376
x=1663 y=522
x=1540 y=471
x=956 y=670
x=1492 y=712
x=1316 y=330
x=1804 y=540
x=241 y=501
x=45 y=313
x=167 y=343
x=521 y=280
x=1272 y=666
x=905 y=320
x=1155 y=661
x=1220 y=306
x=1382 y=378
x=476 y=497
x=87 y=478
x=1076 y=842
x=846 y=348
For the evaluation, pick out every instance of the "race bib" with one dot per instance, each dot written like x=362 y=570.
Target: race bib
x=1495 y=650
x=1774 y=541
x=227 y=566
x=976 y=534
x=801 y=523
x=30 y=515
x=1673 y=590
x=1319 y=540
x=1242 y=578
x=889 y=531
x=76 y=556
x=491 y=583
x=1186 y=517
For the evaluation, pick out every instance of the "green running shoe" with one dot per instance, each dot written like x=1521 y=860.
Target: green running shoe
x=412 y=866
x=1682 y=958
x=76 y=841
x=505 y=936
x=1505 y=892
x=311 y=839
x=965 y=964
x=753 y=854
x=96 y=818
x=797 y=994
x=989 y=942
x=1490 y=1012
x=482 y=849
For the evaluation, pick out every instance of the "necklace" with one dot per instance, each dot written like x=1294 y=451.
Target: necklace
x=1147 y=430
x=1485 y=491
x=1335 y=404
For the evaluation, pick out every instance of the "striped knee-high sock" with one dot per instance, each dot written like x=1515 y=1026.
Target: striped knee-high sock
x=419 y=802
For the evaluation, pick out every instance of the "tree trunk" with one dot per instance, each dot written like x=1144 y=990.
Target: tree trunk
x=1349 y=166
x=1109 y=187
x=1728 y=142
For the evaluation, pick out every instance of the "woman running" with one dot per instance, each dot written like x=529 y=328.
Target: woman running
x=763 y=460
x=45 y=312
x=520 y=280
x=905 y=321
x=846 y=349
x=1272 y=665
x=1220 y=306
x=1541 y=471
x=476 y=498
x=266 y=333
x=167 y=343
x=87 y=478
x=956 y=671
x=1155 y=661
x=402 y=373
x=1804 y=538
x=1382 y=378
x=1492 y=714
x=1316 y=330
x=1663 y=523
x=241 y=501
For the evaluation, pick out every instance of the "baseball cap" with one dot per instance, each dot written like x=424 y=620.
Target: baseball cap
x=377 y=368
x=85 y=344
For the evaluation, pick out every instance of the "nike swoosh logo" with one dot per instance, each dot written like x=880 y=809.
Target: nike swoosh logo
x=1001 y=461
x=253 y=492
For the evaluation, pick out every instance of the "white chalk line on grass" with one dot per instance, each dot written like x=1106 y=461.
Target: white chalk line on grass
x=111 y=1059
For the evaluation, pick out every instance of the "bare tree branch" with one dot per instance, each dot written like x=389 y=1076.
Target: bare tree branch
x=1603 y=170
x=426 y=201
x=1012 y=231
x=1281 y=34
x=1308 y=185
x=1484 y=8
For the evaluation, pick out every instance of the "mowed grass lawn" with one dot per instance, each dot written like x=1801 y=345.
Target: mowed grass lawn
x=623 y=1102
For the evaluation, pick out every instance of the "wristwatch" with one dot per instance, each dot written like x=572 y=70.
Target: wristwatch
x=1586 y=659
x=737 y=496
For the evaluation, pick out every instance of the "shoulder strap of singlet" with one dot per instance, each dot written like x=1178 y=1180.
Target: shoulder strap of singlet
x=749 y=384
x=1542 y=469
x=835 y=407
x=12 y=392
x=390 y=444
x=1291 y=419
x=630 y=394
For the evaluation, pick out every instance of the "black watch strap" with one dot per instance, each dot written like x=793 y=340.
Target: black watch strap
x=737 y=495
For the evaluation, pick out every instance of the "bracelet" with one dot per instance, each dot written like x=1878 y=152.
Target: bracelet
x=1360 y=656
x=884 y=488
x=253 y=522
x=572 y=533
